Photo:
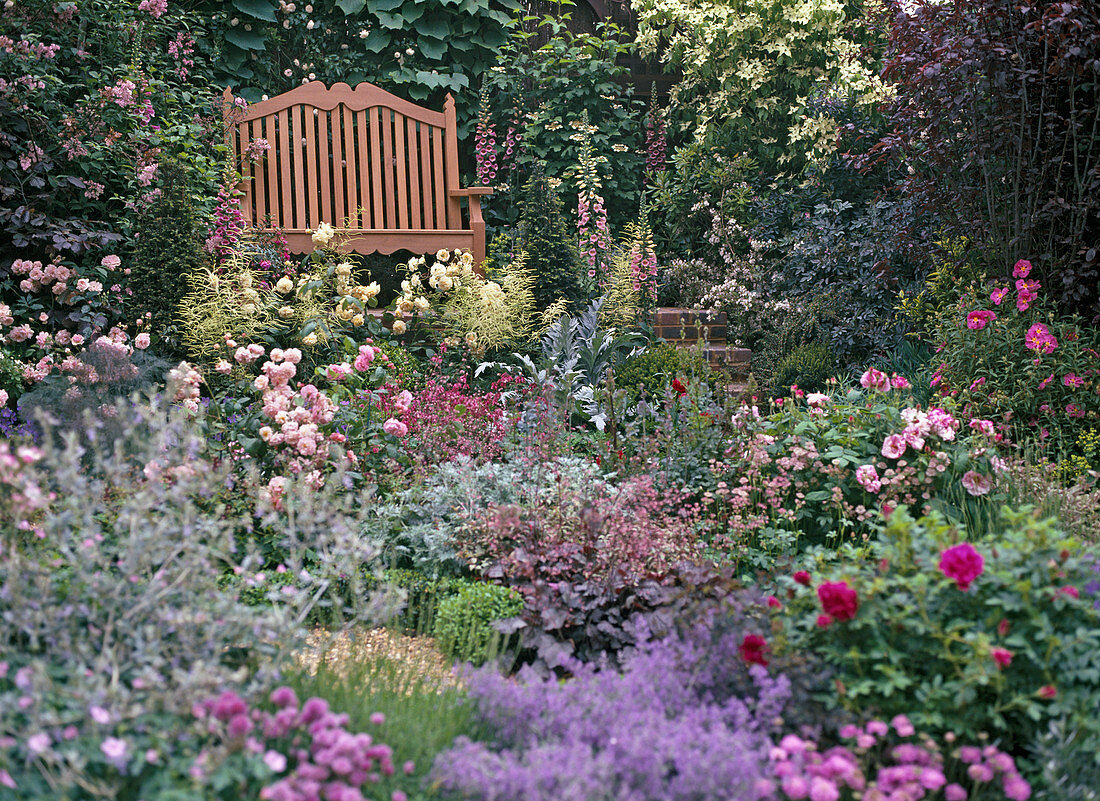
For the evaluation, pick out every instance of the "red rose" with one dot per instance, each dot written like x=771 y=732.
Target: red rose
x=802 y=577
x=1002 y=656
x=838 y=600
x=752 y=649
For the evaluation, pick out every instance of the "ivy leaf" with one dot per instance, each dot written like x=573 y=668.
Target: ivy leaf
x=260 y=9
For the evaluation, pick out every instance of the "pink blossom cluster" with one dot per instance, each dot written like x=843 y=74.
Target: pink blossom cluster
x=485 y=145
x=184 y=381
x=1039 y=338
x=977 y=320
x=595 y=239
x=21 y=497
x=122 y=93
x=878 y=380
x=26 y=49
x=181 y=48
x=228 y=226
x=656 y=142
x=155 y=8
x=308 y=748
x=39 y=277
x=920 y=425
x=643 y=268
x=907 y=770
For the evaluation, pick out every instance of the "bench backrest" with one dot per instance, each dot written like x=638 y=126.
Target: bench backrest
x=340 y=153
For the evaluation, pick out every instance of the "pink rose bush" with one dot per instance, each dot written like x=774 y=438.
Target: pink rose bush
x=847 y=460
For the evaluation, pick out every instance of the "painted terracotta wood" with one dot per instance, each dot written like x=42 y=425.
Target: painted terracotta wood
x=385 y=166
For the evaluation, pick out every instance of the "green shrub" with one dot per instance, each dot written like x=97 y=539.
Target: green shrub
x=464 y=628
x=1004 y=652
x=424 y=594
x=656 y=366
x=809 y=366
x=406 y=366
x=166 y=251
x=551 y=252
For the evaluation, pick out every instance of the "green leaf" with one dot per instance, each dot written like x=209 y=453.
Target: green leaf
x=350 y=7
x=377 y=41
x=435 y=27
x=432 y=48
x=246 y=40
x=385 y=5
x=393 y=21
x=260 y=9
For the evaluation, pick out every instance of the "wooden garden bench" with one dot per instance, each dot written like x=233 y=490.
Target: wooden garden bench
x=363 y=160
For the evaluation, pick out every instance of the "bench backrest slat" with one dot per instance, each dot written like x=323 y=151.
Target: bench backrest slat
x=359 y=156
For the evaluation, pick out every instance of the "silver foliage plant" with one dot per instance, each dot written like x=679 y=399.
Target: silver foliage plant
x=119 y=585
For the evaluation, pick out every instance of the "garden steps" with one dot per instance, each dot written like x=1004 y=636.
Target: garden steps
x=685 y=328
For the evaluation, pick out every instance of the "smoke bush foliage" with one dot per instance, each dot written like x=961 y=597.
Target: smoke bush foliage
x=666 y=727
x=113 y=610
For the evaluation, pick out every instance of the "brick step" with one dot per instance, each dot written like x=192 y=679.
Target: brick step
x=679 y=326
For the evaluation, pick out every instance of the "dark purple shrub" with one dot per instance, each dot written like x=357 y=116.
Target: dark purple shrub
x=995 y=118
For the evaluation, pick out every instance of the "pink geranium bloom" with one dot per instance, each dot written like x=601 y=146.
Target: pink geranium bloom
x=998 y=295
x=1039 y=338
x=1045 y=381
x=1072 y=380
x=979 y=319
x=962 y=563
x=1073 y=410
x=1022 y=268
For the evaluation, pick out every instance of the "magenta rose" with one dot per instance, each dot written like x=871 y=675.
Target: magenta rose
x=962 y=563
x=838 y=600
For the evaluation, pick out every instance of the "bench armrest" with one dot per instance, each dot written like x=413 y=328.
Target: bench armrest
x=471 y=191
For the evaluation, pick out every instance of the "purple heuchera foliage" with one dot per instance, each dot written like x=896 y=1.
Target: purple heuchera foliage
x=663 y=728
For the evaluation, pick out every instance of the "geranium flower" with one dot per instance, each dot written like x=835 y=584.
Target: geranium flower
x=979 y=319
x=1039 y=338
x=998 y=295
x=962 y=563
x=1072 y=380
x=1022 y=268
x=1045 y=381
x=1073 y=410
x=838 y=600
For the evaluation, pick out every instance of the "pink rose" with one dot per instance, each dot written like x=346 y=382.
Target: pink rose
x=976 y=484
x=111 y=262
x=395 y=427
x=875 y=379
x=893 y=447
x=141 y=341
